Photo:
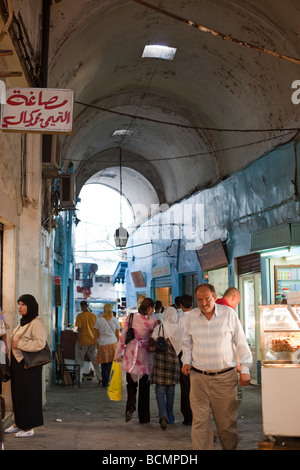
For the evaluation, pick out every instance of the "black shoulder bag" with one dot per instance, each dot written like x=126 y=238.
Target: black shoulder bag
x=130 y=332
x=36 y=358
x=161 y=344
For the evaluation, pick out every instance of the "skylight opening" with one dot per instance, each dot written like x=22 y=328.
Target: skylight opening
x=122 y=132
x=159 y=52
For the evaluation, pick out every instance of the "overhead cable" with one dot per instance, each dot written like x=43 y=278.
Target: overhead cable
x=185 y=126
x=224 y=37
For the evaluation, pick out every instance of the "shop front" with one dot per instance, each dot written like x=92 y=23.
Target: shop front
x=279 y=251
x=161 y=285
x=139 y=283
x=249 y=285
x=280 y=327
x=189 y=282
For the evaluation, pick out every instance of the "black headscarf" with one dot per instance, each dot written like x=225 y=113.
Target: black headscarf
x=32 y=308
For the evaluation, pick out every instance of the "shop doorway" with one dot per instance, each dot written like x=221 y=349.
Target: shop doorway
x=250 y=288
x=163 y=294
x=189 y=282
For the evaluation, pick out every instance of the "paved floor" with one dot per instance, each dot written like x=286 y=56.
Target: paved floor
x=85 y=419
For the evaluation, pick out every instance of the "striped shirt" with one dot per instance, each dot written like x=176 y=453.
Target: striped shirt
x=210 y=344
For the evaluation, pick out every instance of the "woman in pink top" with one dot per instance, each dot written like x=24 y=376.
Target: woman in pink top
x=137 y=361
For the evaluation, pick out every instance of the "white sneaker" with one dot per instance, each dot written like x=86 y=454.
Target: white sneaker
x=22 y=433
x=11 y=429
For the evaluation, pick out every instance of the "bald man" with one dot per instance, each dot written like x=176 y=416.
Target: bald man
x=231 y=298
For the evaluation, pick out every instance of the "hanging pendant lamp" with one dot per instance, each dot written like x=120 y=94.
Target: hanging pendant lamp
x=121 y=234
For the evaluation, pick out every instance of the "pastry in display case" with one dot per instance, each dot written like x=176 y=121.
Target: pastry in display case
x=280 y=328
x=280 y=369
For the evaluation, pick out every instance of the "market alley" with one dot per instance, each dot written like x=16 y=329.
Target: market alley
x=84 y=418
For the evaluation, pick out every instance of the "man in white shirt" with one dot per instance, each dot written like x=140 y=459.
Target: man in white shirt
x=211 y=336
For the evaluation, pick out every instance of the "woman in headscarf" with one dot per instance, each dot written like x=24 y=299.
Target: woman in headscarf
x=26 y=384
x=166 y=368
x=107 y=330
x=137 y=361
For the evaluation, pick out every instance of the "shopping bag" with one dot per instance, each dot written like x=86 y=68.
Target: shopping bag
x=114 y=389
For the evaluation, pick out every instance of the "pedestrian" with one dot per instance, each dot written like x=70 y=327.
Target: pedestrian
x=231 y=298
x=3 y=370
x=26 y=384
x=86 y=343
x=158 y=312
x=137 y=361
x=186 y=304
x=166 y=368
x=177 y=306
x=107 y=331
x=3 y=349
x=209 y=356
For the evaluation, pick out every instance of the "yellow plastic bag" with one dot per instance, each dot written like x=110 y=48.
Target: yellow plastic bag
x=114 y=389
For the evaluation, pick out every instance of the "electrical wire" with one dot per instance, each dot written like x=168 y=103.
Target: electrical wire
x=224 y=37
x=114 y=249
x=186 y=126
x=201 y=154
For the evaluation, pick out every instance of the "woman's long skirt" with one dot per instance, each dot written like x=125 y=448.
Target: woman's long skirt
x=26 y=389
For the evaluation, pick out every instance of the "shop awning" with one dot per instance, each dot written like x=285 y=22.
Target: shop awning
x=280 y=236
x=119 y=274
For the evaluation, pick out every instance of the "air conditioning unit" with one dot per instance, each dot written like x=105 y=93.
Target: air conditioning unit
x=67 y=191
x=51 y=158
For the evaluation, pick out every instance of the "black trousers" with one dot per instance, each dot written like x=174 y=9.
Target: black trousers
x=143 y=399
x=185 y=385
x=26 y=390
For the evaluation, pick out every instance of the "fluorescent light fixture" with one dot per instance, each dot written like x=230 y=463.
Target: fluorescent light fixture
x=271 y=253
x=123 y=132
x=284 y=252
x=159 y=52
x=289 y=258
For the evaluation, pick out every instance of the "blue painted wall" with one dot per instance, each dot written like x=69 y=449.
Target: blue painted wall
x=264 y=194
x=64 y=266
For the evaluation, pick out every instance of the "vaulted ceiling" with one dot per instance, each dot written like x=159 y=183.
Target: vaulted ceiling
x=222 y=102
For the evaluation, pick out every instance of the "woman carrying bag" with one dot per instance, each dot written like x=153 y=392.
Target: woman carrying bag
x=26 y=384
x=137 y=361
x=166 y=368
x=107 y=331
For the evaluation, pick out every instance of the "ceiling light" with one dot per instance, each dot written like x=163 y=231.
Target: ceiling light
x=283 y=252
x=159 y=52
x=122 y=132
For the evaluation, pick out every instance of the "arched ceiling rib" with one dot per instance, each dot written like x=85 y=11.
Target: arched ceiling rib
x=212 y=92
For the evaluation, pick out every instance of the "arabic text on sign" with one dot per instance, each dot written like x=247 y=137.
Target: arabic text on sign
x=38 y=109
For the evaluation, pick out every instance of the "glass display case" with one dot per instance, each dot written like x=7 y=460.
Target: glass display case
x=280 y=369
x=280 y=329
